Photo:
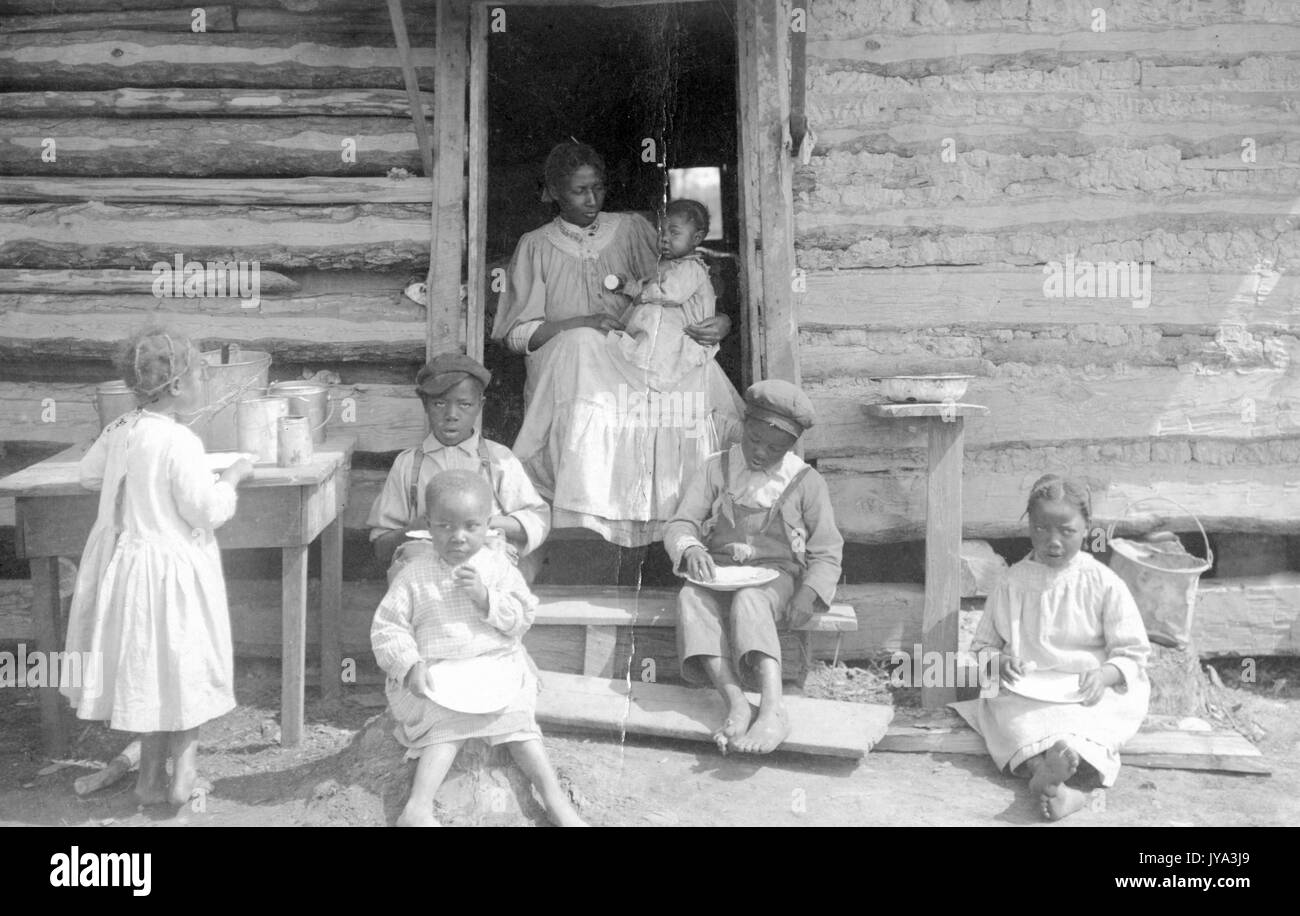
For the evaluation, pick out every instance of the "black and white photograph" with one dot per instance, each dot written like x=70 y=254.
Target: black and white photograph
x=652 y=413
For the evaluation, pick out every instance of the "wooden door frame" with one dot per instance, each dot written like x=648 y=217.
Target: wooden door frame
x=765 y=171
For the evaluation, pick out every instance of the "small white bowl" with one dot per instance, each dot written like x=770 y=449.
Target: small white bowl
x=923 y=389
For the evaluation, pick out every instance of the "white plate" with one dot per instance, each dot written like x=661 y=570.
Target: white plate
x=1047 y=686
x=419 y=535
x=219 y=461
x=731 y=578
x=475 y=685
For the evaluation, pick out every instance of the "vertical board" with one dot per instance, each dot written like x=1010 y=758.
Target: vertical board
x=939 y=627
x=476 y=277
x=447 y=249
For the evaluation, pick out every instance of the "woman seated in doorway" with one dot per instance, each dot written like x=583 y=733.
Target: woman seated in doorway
x=610 y=454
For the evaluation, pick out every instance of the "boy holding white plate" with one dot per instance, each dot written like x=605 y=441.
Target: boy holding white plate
x=755 y=535
x=448 y=635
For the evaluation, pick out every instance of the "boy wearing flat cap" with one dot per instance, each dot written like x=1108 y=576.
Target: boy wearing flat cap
x=451 y=388
x=756 y=505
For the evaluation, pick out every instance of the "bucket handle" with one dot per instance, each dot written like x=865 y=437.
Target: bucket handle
x=221 y=403
x=1110 y=529
x=323 y=423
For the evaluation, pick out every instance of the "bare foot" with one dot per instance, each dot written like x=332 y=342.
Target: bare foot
x=1065 y=802
x=417 y=816
x=1059 y=762
x=766 y=734
x=739 y=715
x=151 y=784
x=563 y=814
x=149 y=790
x=184 y=748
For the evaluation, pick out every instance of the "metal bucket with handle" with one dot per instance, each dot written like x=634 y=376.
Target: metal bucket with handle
x=1163 y=580
x=307 y=399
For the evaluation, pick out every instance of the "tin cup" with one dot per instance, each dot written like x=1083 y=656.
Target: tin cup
x=293 y=440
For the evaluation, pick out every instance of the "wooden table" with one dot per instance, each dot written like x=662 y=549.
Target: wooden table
x=945 y=427
x=278 y=507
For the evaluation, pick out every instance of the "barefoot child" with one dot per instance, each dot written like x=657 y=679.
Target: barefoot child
x=1060 y=610
x=150 y=601
x=448 y=635
x=756 y=504
x=451 y=388
x=656 y=349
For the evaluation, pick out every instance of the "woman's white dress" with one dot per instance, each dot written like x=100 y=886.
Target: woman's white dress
x=150 y=601
x=609 y=454
x=1072 y=619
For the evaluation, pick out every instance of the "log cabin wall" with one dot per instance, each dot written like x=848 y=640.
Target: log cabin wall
x=282 y=135
x=961 y=146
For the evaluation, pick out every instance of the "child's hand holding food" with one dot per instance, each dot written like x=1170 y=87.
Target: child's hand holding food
x=698 y=563
x=1093 y=684
x=467 y=577
x=1012 y=668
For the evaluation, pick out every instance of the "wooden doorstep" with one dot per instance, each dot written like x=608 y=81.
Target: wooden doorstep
x=821 y=727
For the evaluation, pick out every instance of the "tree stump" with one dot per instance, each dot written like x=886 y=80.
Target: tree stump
x=368 y=782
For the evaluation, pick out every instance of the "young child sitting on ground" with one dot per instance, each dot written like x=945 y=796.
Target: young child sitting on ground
x=451 y=389
x=448 y=635
x=654 y=349
x=1060 y=610
x=758 y=505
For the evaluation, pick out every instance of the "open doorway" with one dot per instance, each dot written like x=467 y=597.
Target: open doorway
x=612 y=78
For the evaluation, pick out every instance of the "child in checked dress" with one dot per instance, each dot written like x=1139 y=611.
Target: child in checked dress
x=150 y=600
x=448 y=635
x=1060 y=610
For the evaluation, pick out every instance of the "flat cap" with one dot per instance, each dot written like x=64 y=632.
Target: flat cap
x=448 y=369
x=780 y=404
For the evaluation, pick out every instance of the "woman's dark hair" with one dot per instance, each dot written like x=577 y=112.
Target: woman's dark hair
x=691 y=210
x=1055 y=488
x=564 y=160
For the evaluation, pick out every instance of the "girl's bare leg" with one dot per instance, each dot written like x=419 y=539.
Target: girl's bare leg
x=531 y=757
x=184 y=749
x=151 y=784
x=739 y=713
x=773 y=723
x=435 y=762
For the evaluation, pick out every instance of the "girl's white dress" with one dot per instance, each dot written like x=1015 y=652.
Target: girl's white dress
x=1072 y=619
x=150 y=599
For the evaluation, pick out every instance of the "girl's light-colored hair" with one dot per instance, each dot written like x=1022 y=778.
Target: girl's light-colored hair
x=1055 y=488
x=153 y=358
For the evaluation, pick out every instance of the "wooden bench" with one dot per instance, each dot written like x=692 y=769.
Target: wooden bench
x=624 y=630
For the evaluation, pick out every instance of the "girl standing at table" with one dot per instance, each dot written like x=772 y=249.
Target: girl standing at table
x=150 y=602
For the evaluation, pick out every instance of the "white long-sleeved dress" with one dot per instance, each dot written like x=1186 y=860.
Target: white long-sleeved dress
x=1072 y=619
x=150 y=602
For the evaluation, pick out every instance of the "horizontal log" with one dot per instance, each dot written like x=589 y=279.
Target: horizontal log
x=384 y=418
x=109 y=60
x=215 y=19
x=95 y=235
x=957 y=298
x=292 y=192
x=174 y=102
x=197 y=147
x=64 y=283
x=879 y=500
x=1047 y=406
x=1259 y=615
x=920 y=56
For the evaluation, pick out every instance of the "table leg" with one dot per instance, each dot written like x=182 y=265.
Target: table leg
x=45 y=616
x=939 y=629
x=331 y=608
x=293 y=613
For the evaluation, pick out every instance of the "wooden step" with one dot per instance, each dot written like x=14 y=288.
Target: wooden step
x=821 y=727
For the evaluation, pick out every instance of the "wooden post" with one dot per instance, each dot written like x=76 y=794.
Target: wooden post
x=939 y=626
x=331 y=605
x=45 y=617
x=412 y=84
x=293 y=618
x=766 y=173
x=447 y=248
x=476 y=275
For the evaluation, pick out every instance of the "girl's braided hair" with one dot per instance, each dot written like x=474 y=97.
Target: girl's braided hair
x=1055 y=488
x=153 y=358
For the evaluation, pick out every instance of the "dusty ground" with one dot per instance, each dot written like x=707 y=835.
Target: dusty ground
x=652 y=782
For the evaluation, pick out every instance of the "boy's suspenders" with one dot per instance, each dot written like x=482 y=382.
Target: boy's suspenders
x=780 y=500
x=486 y=466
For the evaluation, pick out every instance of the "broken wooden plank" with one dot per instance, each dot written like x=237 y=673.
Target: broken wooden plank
x=1211 y=763
x=821 y=727
x=412 y=82
x=960 y=739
